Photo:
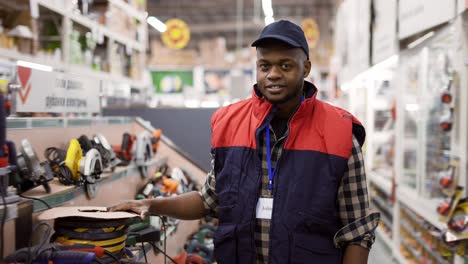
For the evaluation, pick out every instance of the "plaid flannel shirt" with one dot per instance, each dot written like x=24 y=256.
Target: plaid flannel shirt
x=358 y=221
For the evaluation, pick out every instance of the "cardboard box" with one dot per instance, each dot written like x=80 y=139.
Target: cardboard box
x=164 y=56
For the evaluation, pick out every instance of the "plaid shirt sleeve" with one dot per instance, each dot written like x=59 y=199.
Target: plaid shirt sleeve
x=208 y=193
x=359 y=222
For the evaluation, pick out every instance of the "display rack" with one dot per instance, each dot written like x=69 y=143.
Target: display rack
x=63 y=193
x=121 y=184
x=413 y=136
x=381 y=182
x=68 y=19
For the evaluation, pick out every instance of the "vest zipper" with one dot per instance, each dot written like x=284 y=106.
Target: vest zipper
x=258 y=168
x=275 y=183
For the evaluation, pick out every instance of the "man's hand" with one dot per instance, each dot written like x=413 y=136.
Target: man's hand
x=187 y=206
x=137 y=206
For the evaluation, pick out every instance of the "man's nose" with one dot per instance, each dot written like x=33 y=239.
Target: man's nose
x=275 y=73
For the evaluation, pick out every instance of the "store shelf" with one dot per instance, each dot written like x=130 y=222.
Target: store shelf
x=64 y=193
x=71 y=68
x=383 y=205
x=399 y=258
x=405 y=225
x=382 y=183
x=13 y=54
x=129 y=9
x=426 y=208
x=413 y=217
x=60 y=122
x=413 y=251
x=78 y=69
x=84 y=21
x=387 y=222
x=384 y=237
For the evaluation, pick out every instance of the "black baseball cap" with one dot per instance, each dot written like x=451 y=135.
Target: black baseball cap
x=284 y=31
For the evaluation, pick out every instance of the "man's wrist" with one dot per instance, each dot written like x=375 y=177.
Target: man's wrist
x=153 y=205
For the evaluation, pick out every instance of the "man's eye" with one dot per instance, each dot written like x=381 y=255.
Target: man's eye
x=263 y=66
x=285 y=66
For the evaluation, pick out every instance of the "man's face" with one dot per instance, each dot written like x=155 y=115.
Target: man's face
x=280 y=72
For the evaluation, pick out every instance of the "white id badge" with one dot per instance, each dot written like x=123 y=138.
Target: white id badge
x=264 y=208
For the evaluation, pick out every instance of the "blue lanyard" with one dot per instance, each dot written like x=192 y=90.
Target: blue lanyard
x=271 y=170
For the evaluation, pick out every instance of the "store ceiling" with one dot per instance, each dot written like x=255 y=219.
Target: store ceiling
x=208 y=19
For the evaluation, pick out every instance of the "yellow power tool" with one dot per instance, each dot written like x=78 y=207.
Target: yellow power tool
x=86 y=169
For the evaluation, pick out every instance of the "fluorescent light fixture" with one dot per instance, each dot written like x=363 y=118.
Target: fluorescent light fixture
x=36 y=66
x=411 y=107
x=267 y=8
x=420 y=40
x=157 y=24
x=269 y=20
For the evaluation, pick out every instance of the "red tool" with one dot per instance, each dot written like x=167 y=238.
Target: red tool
x=124 y=152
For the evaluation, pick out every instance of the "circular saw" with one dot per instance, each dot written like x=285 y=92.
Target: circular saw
x=31 y=170
x=143 y=152
x=109 y=159
x=85 y=169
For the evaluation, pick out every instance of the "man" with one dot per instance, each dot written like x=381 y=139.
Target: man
x=287 y=181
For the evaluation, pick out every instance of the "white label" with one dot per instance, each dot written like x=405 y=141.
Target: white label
x=264 y=208
x=44 y=91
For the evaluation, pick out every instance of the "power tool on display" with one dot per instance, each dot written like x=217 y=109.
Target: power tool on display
x=31 y=171
x=85 y=169
x=7 y=160
x=124 y=151
x=143 y=152
x=155 y=139
x=109 y=159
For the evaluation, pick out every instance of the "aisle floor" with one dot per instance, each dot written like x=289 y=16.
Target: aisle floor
x=380 y=253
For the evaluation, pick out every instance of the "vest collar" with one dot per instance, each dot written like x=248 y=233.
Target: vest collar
x=262 y=107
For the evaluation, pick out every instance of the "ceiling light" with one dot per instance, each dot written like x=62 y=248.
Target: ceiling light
x=267 y=8
x=156 y=23
x=36 y=66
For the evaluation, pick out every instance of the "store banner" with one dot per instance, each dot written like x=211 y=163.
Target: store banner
x=384 y=39
x=53 y=92
x=172 y=82
x=418 y=15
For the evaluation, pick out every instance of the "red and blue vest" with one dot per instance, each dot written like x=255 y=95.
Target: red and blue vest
x=307 y=176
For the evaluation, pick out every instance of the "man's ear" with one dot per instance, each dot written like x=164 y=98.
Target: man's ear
x=307 y=67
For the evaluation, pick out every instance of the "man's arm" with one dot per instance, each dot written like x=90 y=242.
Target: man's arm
x=187 y=206
x=357 y=235
x=355 y=254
